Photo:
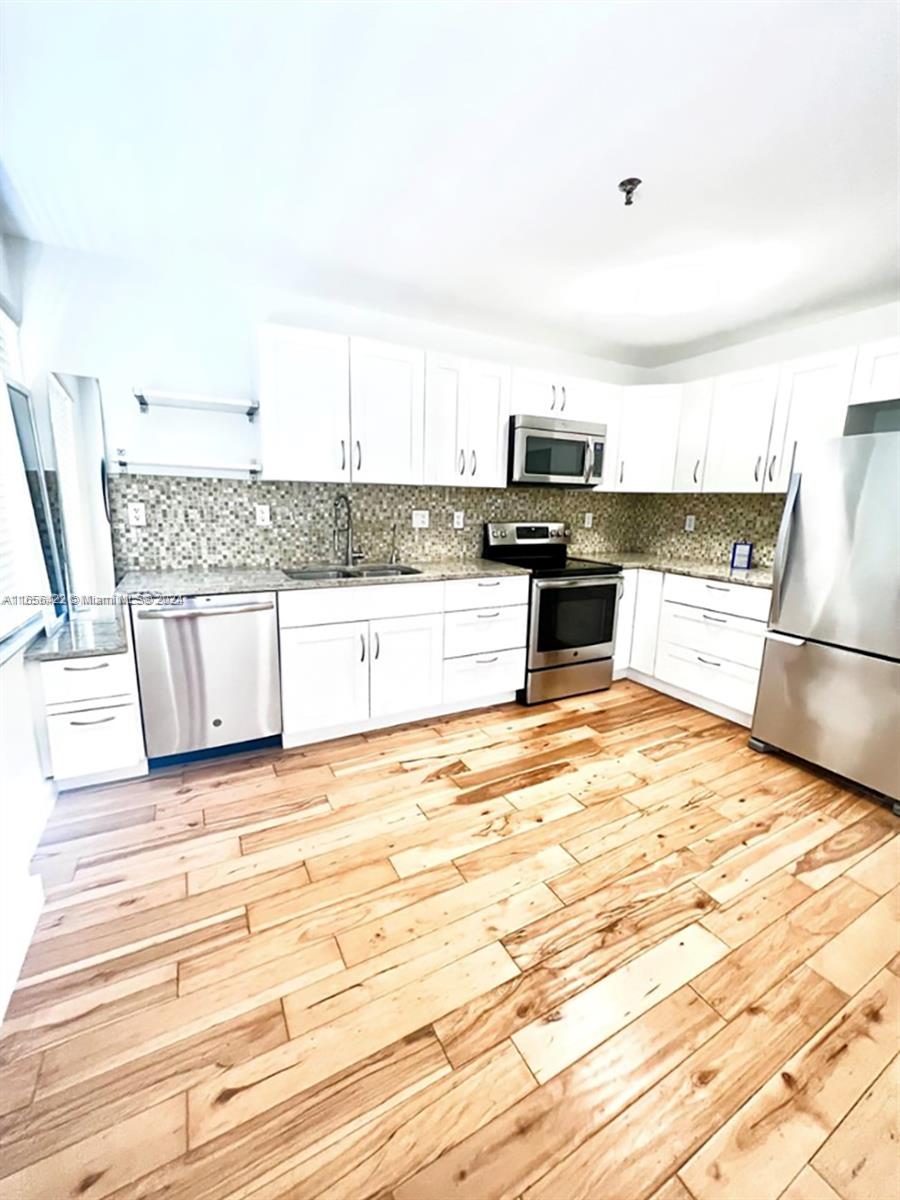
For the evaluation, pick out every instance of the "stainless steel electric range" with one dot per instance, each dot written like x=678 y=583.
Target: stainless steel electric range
x=572 y=617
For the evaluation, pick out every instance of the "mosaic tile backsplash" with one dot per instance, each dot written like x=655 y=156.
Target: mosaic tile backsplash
x=211 y=522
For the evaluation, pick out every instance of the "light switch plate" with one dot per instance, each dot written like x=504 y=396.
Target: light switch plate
x=420 y=518
x=137 y=513
x=589 y=520
x=263 y=514
x=689 y=523
x=459 y=520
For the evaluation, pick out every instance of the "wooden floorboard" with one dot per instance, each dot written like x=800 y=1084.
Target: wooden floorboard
x=595 y=948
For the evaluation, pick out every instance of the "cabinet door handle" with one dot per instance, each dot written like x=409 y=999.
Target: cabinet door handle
x=99 y=721
x=562 y=407
x=772 y=468
x=95 y=667
x=622 y=470
x=474 y=463
x=756 y=469
x=553 y=401
x=487 y=660
x=486 y=616
x=343 y=455
x=696 y=469
x=462 y=462
x=718 y=620
x=377 y=645
x=359 y=456
x=362 y=647
x=709 y=662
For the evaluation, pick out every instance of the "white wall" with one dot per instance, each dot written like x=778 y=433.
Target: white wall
x=27 y=797
x=851 y=329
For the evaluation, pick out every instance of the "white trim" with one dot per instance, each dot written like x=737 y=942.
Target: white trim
x=114 y=776
x=677 y=693
x=290 y=740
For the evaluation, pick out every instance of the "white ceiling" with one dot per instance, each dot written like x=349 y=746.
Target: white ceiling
x=459 y=161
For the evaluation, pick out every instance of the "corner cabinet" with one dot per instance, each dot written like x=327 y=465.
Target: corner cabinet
x=877 y=375
x=740 y=423
x=466 y=421
x=304 y=404
x=387 y=412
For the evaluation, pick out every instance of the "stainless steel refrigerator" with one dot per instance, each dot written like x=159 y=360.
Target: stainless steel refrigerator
x=829 y=689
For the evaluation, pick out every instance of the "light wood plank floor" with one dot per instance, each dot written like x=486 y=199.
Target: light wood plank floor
x=593 y=949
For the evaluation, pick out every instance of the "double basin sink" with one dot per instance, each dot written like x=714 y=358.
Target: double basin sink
x=366 y=571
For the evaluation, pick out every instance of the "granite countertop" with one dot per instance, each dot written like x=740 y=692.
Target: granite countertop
x=698 y=568
x=81 y=637
x=210 y=582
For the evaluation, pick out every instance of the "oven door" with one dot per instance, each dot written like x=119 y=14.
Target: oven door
x=552 y=456
x=572 y=620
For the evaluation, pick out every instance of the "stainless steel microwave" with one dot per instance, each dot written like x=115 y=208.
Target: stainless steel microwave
x=545 y=451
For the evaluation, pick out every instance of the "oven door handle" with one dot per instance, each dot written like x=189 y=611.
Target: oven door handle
x=591 y=581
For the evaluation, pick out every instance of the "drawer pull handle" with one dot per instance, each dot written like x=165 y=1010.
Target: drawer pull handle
x=488 y=582
x=95 y=667
x=487 y=616
x=710 y=662
x=718 y=620
x=714 y=587
x=488 y=660
x=99 y=721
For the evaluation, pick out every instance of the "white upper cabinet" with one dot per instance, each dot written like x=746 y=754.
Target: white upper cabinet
x=466 y=421
x=304 y=404
x=813 y=394
x=739 y=427
x=648 y=438
x=387 y=412
x=536 y=393
x=693 y=433
x=877 y=375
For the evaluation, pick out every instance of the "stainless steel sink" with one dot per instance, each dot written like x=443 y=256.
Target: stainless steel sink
x=369 y=571
x=384 y=570
x=313 y=573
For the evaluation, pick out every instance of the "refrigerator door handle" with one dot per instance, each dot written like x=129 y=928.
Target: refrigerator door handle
x=784 y=638
x=783 y=548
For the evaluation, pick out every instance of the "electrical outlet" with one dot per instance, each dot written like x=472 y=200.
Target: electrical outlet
x=689 y=523
x=589 y=520
x=459 y=520
x=420 y=518
x=263 y=514
x=137 y=513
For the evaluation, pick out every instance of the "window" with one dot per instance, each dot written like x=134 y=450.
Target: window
x=22 y=570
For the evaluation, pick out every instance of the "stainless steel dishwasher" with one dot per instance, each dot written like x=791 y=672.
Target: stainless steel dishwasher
x=208 y=671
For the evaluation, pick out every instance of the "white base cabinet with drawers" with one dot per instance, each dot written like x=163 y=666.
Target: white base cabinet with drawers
x=94 y=729
x=696 y=639
x=362 y=658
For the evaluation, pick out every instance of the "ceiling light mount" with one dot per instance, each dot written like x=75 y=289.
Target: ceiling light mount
x=629 y=187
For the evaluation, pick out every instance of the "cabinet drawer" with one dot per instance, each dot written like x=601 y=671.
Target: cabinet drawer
x=88 y=678
x=483 y=675
x=88 y=741
x=718 y=635
x=480 y=593
x=478 y=630
x=732 y=684
x=739 y=599
x=330 y=605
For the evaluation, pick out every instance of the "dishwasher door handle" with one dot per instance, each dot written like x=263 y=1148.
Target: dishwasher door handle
x=181 y=614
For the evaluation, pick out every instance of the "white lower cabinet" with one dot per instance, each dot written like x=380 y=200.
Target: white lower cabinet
x=730 y=684
x=485 y=629
x=648 y=596
x=324 y=675
x=85 y=742
x=477 y=676
x=624 y=624
x=405 y=666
